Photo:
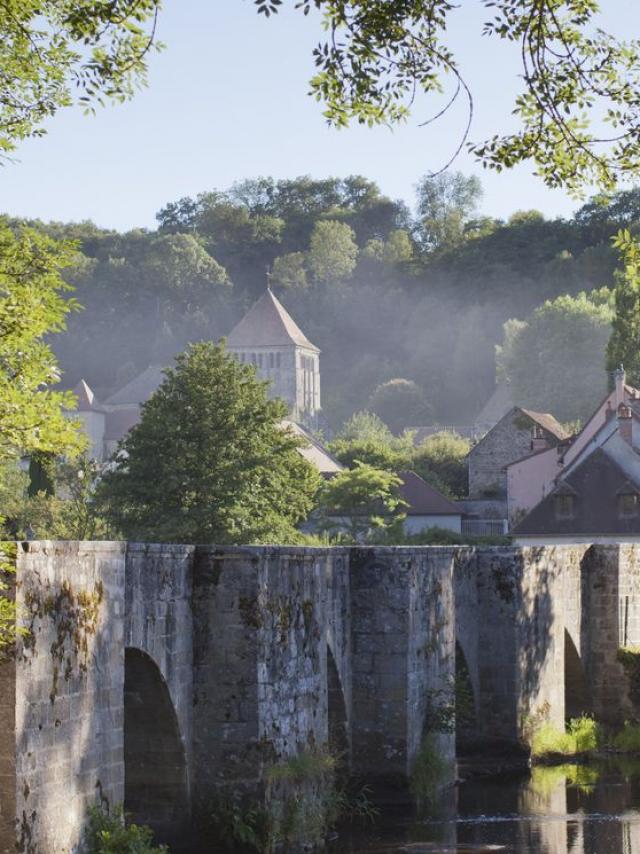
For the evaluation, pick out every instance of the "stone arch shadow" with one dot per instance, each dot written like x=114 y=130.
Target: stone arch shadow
x=156 y=779
x=576 y=693
x=466 y=702
x=338 y=717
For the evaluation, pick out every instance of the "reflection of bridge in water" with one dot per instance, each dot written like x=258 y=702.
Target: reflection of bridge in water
x=163 y=675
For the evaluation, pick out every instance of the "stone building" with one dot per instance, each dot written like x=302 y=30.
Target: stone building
x=518 y=433
x=268 y=337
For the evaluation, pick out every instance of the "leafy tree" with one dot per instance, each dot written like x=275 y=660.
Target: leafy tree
x=361 y=500
x=32 y=306
x=624 y=345
x=555 y=361
x=333 y=252
x=61 y=51
x=365 y=438
x=364 y=426
x=289 y=271
x=400 y=403
x=442 y=461
x=209 y=461
x=177 y=266
x=65 y=512
x=446 y=203
x=374 y=57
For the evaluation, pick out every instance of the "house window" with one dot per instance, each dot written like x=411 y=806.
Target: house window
x=628 y=504
x=564 y=506
x=277 y=360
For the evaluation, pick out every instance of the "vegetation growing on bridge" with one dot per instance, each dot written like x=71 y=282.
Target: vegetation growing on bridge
x=107 y=833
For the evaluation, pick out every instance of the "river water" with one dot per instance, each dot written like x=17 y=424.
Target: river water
x=568 y=809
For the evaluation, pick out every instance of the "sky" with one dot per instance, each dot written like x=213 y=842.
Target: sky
x=228 y=100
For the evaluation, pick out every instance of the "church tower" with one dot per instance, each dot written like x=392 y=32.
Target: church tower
x=268 y=337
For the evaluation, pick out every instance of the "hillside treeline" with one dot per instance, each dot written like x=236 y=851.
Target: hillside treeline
x=385 y=291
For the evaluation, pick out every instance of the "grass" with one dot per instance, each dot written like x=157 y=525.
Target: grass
x=308 y=765
x=582 y=735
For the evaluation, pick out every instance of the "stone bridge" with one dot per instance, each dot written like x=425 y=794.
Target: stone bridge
x=162 y=677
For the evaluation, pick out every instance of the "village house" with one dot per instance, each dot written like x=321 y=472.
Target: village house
x=595 y=493
x=268 y=338
x=518 y=433
x=531 y=478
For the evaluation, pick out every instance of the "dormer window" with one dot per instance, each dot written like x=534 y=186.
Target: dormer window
x=628 y=501
x=628 y=505
x=564 y=505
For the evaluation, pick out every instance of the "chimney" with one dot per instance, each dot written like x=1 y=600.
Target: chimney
x=625 y=423
x=538 y=439
x=620 y=384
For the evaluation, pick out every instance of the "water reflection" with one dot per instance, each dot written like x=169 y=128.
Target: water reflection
x=568 y=809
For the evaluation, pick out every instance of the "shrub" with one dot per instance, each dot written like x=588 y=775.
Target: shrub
x=628 y=739
x=429 y=771
x=581 y=736
x=107 y=833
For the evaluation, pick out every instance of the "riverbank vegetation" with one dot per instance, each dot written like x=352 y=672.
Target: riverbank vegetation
x=582 y=737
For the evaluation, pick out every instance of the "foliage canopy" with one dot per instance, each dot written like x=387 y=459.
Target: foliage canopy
x=32 y=305
x=209 y=460
x=579 y=110
x=55 y=52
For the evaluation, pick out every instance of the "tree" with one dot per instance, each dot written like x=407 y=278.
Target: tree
x=445 y=204
x=624 y=345
x=365 y=438
x=375 y=57
x=361 y=500
x=32 y=306
x=555 y=361
x=65 y=512
x=61 y=51
x=400 y=403
x=333 y=252
x=442 y=461
x=289 y=271
x=209 y=460
x=178 y=267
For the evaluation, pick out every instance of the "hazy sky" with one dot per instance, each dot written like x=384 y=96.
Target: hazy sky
x=227 y=100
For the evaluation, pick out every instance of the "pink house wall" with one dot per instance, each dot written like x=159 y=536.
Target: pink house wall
x=531 y=479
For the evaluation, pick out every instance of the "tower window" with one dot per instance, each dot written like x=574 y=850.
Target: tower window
x=277 y=360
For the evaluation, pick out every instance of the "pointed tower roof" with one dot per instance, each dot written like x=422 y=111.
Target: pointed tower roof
x=268 y=324
x=87 y=401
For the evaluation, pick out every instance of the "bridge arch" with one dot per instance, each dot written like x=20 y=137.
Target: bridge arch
x=156 y=777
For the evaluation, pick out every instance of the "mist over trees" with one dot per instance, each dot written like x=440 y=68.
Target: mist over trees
x=387 y=292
